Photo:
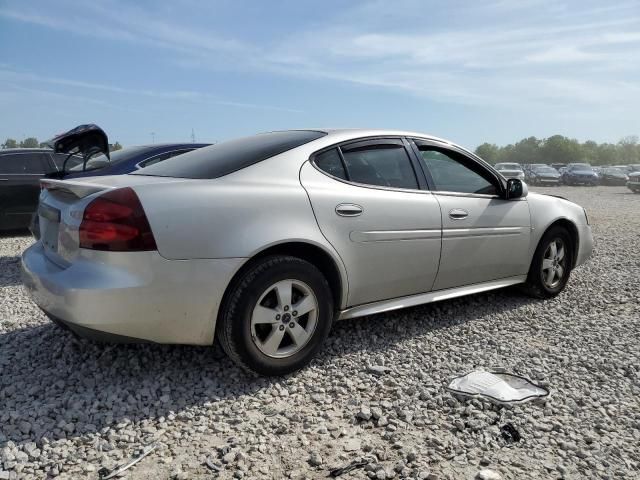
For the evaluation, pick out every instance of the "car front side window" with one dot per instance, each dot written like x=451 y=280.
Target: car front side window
x=452 y=172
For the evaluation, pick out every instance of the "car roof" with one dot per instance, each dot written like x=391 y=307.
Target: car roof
x=25 y=150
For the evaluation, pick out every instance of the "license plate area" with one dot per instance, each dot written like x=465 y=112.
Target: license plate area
x=49 y=225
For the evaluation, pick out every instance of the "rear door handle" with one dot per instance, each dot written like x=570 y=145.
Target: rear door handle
x=349 y=210
x=458 y=214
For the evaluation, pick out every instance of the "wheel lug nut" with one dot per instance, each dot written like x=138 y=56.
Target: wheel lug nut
x=294 y=313
x=281 y=327
x=291 y=325
x=277 y=317
x=286 y=308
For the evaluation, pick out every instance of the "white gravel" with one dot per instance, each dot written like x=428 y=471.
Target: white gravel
x=68 y=407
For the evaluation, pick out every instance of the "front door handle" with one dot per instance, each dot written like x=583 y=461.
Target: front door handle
x=458 y=214
x=349 y=210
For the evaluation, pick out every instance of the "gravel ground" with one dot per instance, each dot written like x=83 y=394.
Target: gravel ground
x=69 y=407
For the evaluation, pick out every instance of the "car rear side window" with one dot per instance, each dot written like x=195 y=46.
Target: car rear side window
x=385 y=165
x=331 y=163
x=227 y=157
x=24 y=164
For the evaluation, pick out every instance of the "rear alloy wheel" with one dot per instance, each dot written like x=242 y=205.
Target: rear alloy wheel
x=276 y=315
x=284 y=318
x=551 y=265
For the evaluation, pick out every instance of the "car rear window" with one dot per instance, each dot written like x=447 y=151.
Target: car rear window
x=227 y=157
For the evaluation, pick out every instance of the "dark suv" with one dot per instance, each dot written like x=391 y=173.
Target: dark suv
x=20 y=172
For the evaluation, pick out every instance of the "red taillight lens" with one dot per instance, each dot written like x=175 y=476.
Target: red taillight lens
x=116 y=222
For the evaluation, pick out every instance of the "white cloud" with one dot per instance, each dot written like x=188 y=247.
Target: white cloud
x=509 y=53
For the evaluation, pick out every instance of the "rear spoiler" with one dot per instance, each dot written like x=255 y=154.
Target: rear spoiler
x=79 y=189
x=86 y=140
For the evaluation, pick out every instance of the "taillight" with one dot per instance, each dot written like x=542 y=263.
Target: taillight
x=116 y=222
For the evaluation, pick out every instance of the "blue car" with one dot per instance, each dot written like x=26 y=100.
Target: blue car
x=130 y=159
x=580 y=174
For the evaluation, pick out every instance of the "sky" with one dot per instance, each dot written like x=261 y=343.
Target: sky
x=473 y=72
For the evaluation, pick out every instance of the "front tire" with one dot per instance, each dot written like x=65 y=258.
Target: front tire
x=276 y=316
x=551 y=265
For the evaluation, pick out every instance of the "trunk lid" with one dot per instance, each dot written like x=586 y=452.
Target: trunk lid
x=61 y=207
x=84 y=140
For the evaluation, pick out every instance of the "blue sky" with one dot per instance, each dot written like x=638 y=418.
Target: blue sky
x=469 y=71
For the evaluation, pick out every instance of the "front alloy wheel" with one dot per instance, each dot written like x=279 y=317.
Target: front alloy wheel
x=551 y=264
x=554 y=263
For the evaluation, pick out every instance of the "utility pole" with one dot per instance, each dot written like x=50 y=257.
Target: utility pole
x=193 y=136
x=153 y=137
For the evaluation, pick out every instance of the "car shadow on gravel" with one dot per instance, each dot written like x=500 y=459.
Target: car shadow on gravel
x=10 y=271
x=55 y=386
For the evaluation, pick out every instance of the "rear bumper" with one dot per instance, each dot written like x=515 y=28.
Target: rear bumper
x=137 y=296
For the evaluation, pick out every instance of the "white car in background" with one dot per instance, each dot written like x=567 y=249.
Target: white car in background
x=510 y=170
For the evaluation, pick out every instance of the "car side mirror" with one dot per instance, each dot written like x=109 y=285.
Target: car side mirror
x=516 y=188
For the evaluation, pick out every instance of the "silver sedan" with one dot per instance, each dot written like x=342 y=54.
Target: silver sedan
x=263 y=242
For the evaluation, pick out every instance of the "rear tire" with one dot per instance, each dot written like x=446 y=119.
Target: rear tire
x=551 y=265
x=260 y=327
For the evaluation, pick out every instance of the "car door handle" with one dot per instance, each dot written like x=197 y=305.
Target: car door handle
x=349 y=210
x=458 y=214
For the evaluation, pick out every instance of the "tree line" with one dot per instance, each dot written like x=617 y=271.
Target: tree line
x=560 y=149
x=32 y=142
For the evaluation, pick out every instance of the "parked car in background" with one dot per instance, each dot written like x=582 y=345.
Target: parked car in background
x=633 y=183
x=20 y=172
x=627 y=169
x=580 y=174
x=558 y=166
x=22 y=169
x=265 y=241
x=510 y=170
x=613 y=176
x=130 y=159
x=544 y=175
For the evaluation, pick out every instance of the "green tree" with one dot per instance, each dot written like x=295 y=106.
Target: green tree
x=527 y=151
x=607 y=154
x=30 y=142
x=489 y=152
x=560 y=149
x=115 y=146
x=628 y=151
x=10 y=143
x=591 y=153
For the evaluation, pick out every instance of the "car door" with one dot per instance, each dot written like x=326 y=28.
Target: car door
x=484 y=236
x=20 y=175
x=376 y=212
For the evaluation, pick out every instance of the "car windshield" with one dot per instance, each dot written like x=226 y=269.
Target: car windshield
x=544 y=170
x=227 y=157
x=101 y=161
x=614 y=171
x=508 y=166
x=580 y=166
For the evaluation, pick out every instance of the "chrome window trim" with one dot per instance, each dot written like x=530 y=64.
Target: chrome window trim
x=183 y=150
x=463 y=194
